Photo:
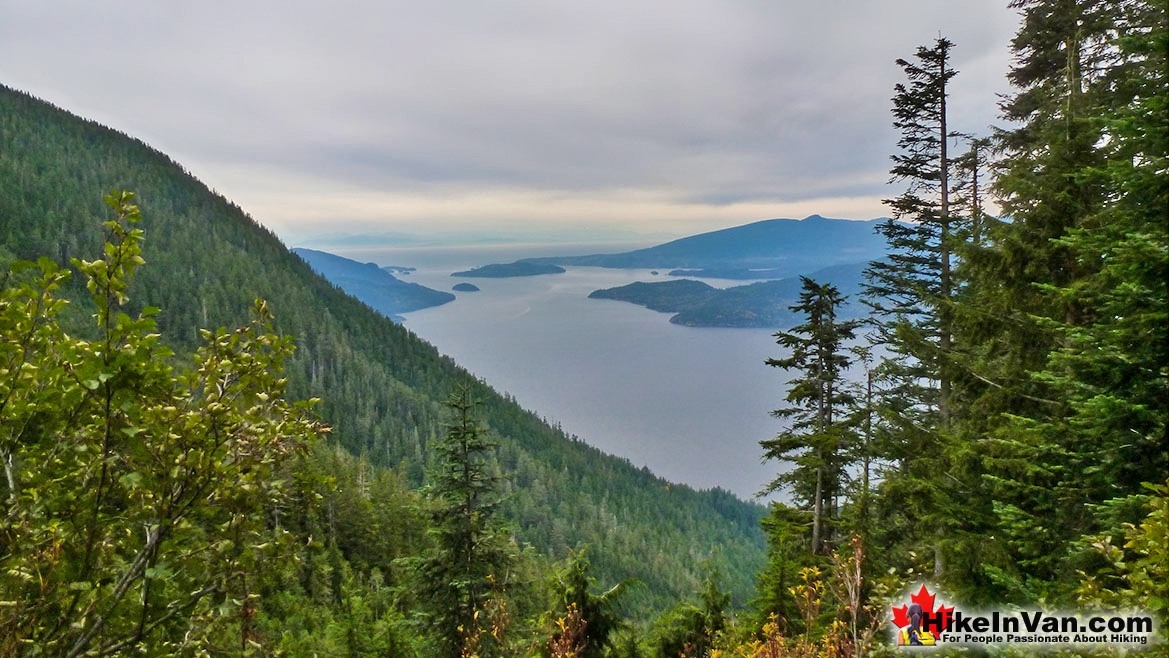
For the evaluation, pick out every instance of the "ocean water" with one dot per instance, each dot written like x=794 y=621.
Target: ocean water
x=691 y=404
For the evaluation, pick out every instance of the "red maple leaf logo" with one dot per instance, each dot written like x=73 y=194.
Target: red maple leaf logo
x=925 y=599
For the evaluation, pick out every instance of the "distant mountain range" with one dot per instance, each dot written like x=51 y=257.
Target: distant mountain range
x=768 y=249
x=777 y=250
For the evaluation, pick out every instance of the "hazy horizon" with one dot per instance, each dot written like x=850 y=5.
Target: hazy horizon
x=618 y=239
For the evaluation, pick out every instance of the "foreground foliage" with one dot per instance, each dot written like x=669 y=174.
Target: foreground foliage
x=140 y=498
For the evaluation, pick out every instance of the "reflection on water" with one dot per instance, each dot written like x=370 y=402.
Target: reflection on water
x=691 y=404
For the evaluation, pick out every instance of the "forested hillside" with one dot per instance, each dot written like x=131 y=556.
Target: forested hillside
x=382 y=390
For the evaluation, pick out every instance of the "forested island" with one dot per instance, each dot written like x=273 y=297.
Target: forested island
x=504 y=270
x=765 y=304
x=208 y=449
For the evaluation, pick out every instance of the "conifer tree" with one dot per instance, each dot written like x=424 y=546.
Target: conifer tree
x=971 y=184
x=909 y=291
x=788 y=552
x=817 y=441
x=912 y=293
x=1111 y=367
x=467 y=570
x=590 y=620
x=1045 y=185
x=1070 y=293
x=692 y=630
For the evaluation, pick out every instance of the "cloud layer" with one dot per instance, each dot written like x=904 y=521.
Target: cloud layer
x=651 y=115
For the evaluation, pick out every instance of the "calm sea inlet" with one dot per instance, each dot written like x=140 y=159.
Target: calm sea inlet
x=690 y=404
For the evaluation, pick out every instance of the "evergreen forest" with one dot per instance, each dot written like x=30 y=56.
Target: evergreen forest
x=208 y=450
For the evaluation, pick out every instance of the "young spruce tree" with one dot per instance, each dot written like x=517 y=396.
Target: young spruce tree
x=464 y=577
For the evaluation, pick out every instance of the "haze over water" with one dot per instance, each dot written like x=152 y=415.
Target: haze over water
x=690 y=404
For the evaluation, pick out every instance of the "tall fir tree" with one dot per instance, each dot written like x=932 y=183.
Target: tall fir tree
x=912 y=294
x=908 y=291
x=818 y=440
x=1111 y=366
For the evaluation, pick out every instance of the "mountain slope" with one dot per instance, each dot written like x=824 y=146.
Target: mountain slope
x=375 y=286
x=382 y=387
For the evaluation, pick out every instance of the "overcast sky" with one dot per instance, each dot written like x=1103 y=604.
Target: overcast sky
x=541 y=118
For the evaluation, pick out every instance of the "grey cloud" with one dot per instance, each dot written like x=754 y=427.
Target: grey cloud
x=698 y=99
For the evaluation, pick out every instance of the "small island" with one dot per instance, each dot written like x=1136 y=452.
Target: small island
x=465 y=287
x=518 y=268
x=697 y=304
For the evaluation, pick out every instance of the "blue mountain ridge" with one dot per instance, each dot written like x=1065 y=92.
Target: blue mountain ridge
x=380 y=290
x=767 y=249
